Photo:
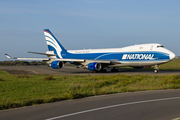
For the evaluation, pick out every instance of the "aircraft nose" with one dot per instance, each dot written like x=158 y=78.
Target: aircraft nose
x=172 y=55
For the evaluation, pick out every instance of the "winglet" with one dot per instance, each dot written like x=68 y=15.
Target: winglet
x=8 y=56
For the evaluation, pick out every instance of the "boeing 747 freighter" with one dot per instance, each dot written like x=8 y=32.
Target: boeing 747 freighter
x=136 y=56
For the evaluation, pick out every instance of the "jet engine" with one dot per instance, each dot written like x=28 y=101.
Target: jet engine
x=95 y=66
x=57 y=64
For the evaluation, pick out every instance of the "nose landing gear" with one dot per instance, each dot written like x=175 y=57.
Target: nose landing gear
x=156 y=70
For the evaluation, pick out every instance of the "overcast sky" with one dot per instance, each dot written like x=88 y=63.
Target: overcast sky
x=84 y=24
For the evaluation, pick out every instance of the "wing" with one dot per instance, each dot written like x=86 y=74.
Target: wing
x=66 y=60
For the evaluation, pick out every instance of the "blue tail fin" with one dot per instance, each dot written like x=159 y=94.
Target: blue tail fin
x=53 y=44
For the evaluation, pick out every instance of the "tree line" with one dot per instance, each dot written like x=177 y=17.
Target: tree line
x=21 y=63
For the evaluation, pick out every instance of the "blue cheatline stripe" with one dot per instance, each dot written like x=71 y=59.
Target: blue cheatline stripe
x=115 y=56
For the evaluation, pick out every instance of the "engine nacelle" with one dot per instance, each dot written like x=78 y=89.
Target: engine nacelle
x=94 y=66
x=57 y=64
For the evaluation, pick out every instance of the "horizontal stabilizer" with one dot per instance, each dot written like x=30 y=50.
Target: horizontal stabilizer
x=42 y=53
x=8 y=56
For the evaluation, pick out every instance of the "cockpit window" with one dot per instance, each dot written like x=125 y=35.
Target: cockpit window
x=160 y=46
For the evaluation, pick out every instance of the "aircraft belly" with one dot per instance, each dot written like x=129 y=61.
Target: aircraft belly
x=132 y=64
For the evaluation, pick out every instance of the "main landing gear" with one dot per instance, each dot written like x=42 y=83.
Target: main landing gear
x=104 y=70
x=94 y=71
x=114 y=69
x=101 y=71
x=156 y=70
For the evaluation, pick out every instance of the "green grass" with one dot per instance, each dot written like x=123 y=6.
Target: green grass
x=24 y=90
x=172 y=65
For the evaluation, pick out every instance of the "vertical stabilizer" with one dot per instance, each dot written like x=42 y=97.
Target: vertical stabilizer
x=53 y=44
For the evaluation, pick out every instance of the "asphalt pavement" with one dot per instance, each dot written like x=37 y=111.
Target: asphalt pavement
x=72 y=70
x=147 y=105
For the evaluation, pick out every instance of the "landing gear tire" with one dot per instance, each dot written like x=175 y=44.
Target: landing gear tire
x=93 y=71
x=114 y=70
x=103 y=70
x=156 y=71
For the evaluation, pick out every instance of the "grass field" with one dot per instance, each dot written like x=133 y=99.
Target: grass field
x=172 y=65
x=24 y=90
